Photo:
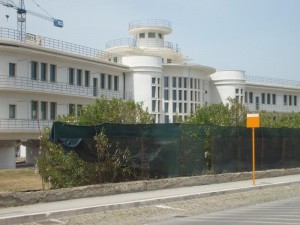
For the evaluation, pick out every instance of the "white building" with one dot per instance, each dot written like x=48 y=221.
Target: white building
x=42 y=78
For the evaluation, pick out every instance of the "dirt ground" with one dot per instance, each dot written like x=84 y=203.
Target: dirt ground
x=21 y=179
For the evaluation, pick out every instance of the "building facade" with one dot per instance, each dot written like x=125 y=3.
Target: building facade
x=42 y=78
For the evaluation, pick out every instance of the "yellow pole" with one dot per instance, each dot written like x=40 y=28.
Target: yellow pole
x=253 y=156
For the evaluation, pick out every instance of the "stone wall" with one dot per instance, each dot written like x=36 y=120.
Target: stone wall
x=26 y=198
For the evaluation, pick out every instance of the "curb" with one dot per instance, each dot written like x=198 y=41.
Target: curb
x=29 y=218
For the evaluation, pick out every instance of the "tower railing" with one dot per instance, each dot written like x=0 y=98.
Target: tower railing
x=150 y=23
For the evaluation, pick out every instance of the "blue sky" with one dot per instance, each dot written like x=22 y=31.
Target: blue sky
x=261 y=37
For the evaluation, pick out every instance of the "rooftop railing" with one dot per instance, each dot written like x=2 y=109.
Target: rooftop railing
x=62 y=46
x=150 y=23
x=272 y=81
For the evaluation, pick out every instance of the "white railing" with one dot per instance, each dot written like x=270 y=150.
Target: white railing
x=24 y=124
x=26 y=84
x=66 y=47
x=271 y=81
x=150 y=23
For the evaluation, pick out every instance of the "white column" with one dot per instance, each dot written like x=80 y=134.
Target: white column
x=32 y=152
x=8 y=154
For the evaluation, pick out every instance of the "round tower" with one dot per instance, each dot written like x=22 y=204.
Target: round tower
x=150 y=33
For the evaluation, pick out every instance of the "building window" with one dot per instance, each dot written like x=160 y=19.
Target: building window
x=160 y=35
x=268 y=99
x=180 y=107
x=236 y=90
x=86 y=78
x=185 y=107
x=169 y=60
x=151 y=35
x=142 y=35
x=109 y=80
x=12 y=69
x=166 y=107
x=43 y=71
x=274 y=99
x=174 y=82
x=71 y=76
x=79 y=77
x=52 y=110
x=295 y=100
x=174 y=95
x=167 y=119
x=191 y=83
x=43 y=110
x=12 y=111
x=250 y=97
x=34 y=70
x=174 y=107
x=185 y=95
x=185 y=82
x=79 y=108
x=180 y=94
x=166 y=94
x=95 y=87
x=180 y=82
x=263 y=98
x=34 y=110
x=153 y=80
x=285 y=99
x=290 y=100
x=153 y=91
x=102 y=81
x=246 y=97
x=166 y=82
x=53 y=73
x=72 y=109
x=116 y=83
x=153 y=105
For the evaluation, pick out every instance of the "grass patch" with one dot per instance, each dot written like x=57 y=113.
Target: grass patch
x=22 y=179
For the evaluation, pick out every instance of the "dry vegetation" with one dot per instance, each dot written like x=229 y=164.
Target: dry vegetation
x=22 y=179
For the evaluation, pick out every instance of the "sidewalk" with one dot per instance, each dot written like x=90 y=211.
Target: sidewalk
x=52 y=210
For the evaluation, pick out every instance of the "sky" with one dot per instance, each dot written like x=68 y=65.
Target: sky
x=260 y=37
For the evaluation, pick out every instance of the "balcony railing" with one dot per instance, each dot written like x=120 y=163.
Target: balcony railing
x=24 y=124
x=150 y=43
x=26 y=84
x=150 y=23
x=121 y=42
x=62 y=46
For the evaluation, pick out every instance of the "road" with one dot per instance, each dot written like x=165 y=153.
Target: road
x=179 y=211
x=281 y=212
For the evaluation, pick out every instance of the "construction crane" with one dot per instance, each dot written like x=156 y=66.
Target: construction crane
x=21 y=17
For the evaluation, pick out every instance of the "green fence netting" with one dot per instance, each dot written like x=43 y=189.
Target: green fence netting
x=170 y=150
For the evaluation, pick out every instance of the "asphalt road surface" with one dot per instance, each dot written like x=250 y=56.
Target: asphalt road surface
x=283 y=212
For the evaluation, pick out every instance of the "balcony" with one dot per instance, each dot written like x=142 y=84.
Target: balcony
x=58 y=88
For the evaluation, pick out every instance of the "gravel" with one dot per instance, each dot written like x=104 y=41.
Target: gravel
x=159 y=213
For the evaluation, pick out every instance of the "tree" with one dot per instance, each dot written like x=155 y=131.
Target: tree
x=113 y=164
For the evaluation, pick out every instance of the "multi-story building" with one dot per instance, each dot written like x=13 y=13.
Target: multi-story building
x=41 y=78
